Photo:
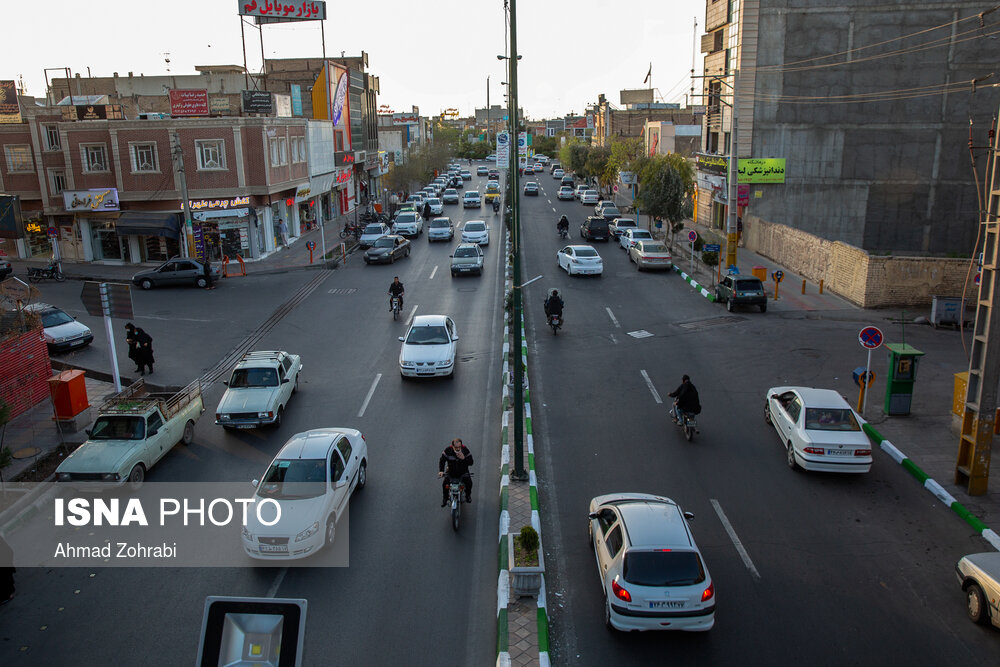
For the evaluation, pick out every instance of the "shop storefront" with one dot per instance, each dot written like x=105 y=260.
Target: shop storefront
x=229 y=233
x=344 y=189
x=36 y=239
x=149 y=236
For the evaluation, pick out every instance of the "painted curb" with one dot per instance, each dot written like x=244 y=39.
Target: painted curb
x=931 y=485
x=695 y=284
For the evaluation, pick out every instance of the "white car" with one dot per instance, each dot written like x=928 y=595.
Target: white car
x=619 y=225
x=311 y=479
x=259 y=389
x=372 y=232
x=437 y=206
x=476 y=231
x=631 y=235
x=819 y=429
x=450 y=196
x=471 y=199
x=565 y=192
x=580 y=259
x=653 y=576
x=429 y=347
x=60 y=331
x=408 y=223
x=416 y=200
x=579 y=190
x=558 y=173
x=979 y=577
x=588 y=197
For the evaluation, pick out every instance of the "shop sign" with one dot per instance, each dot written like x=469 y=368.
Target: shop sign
x=302 y=194
x=712 y=164
x=189 y=102
x=343 y=176
x=219 y=105
x=742 y=195
x=257 y=101
x=303 y=10
x=209 y=204
x=371 y=162
x=95 y=199
x=761 y=170
x=405 y=119
x=10 y=111
x=228 y=213
x=342 y=159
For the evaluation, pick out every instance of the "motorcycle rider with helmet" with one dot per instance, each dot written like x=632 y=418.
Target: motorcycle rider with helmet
x=554 y=306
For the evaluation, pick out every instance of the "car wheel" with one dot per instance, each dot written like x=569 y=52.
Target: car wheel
x=295 y=387
x=767 y=413
x=407 y=253
x=763 y=307
x=367 y=261
x=137 y=476
x=392 y=258
x=790 y=456
x=278 y=417
x=188 y=434
x=729 y=305
x=201 y=282
x=146 y=283
x=362 y=475
x=331 y=530
x=975 y=604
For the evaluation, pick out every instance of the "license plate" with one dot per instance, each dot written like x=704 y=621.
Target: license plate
x=77 y=342
x=839 y=452
x=245 y=426
x=666 y=604
x=274 y=548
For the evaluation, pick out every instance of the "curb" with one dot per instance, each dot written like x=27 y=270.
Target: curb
x=695 y=284
x=936 y=489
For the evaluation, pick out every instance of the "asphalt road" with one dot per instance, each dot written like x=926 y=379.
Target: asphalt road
x=415 y=591
x=841 y=569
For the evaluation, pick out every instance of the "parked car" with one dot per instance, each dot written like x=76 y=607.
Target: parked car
x=566 y=180
x=531 y=189
x=175 y=271
x=589 y=197
x=134 y=429
x=979 y=577
x=440 y=229
x=408 y=223
x=631 y=235
x=312 y=480
x=471 y=199
x=595 y=228
x=653 y=576
x=558 y=173
x=259 y=389
x=482 y=170
x=5 y=268
x=579 y=190
x=387 y=250
x=582 y=259
x=429 y=347
x=565 y=192
x=553 y=166
x=650 y=255
x=818 y=429
x=468 y=258
x=737 y=290
x=619 y=225
x=450 y=196
x=436 y=205
x=372 y=232
x=60 y=331
x=608 y=210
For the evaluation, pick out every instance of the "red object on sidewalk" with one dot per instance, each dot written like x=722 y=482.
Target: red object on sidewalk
x=69 y=393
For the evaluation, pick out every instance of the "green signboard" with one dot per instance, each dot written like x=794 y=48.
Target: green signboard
x=761 y=170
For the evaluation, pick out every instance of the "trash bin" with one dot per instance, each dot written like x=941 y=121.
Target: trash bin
x=69 y=393
x=946 y=310
x=760 y=272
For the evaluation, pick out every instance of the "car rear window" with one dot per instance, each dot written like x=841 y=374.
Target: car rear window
x=831 y=419
x=586 y=252
x=374 y=229
x=749 y=285
x=475 y=226
x=654 y=247
x=466 y=252
x=663 y=568
x=598 y=223
x=439 y=223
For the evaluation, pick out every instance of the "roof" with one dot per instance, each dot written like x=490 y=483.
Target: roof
x=816 y=398
x=429 y=320
x=653 y=523
x=314 y=444
x=260 y=357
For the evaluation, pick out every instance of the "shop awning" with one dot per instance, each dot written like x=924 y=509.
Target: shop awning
x=148 y=224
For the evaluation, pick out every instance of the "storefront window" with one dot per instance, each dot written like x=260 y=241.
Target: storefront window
x=234 y=237
x=160 y=248
x=35 y=237
x=108 y=245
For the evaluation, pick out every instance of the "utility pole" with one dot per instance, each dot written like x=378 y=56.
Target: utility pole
x=732 y=186
x=519 y=472
x=187 y=233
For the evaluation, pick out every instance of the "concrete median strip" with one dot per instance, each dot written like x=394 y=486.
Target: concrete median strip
x=695 y=284
x=931 y=485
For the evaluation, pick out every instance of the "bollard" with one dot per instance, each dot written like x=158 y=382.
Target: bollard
x=803 y=285
x=820 y=286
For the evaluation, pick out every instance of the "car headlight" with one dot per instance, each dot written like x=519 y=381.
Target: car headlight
x=406 y=364
x=265 y=415
x=61 y=339
x=308 y=532
x=445 y=363
x=247 y=535
x=64 y=477
x=221 y=417
x=110 y=477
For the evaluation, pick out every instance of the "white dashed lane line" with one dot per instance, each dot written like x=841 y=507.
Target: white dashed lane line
x=613 y=318
x=364 y=406
x=409 y=320
x=736 y=540
x=433 y=272
x=652 y=389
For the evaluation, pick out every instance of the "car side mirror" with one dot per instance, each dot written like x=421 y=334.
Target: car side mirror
x=451 y=255
x=594 y=515
x=454 y=337
x=689 y=516
x=151 y=432
x=254 y=483
x=775 y=397
x=400 y=338
x=87 y=431
x=225 y=382
x=285 y=381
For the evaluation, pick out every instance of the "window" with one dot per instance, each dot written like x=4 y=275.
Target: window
x=52 y=140
x=345 y=448
x=57 y=181
x=94 y=157
x=279 y=151
x=614 y=541
x=338 y=140
x=153 y=422
x=18 y=158
x=211 y=154
x=143 y=157
x=298 y=149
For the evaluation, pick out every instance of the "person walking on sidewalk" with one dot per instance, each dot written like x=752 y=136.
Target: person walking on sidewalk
x=145 y=351
x=206 y=268
x=133 y=345
x=283 y=232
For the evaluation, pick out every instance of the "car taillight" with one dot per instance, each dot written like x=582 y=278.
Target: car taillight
x=620 y=592
x=709 y=593
x=814 y=450
x=862 y=452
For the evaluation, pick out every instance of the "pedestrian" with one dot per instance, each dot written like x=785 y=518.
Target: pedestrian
x=739 y=230
x=7 y=571
x=427 y=211
x=206 y=268
x=145 y=351
x=283 y=232
x=133 y=345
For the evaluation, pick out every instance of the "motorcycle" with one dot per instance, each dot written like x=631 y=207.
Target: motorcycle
x=496 y=207
x=688 y=423
x=563 y=232
x=555 y=321
x=395 y=307
x=51 y=271
x=456 y=496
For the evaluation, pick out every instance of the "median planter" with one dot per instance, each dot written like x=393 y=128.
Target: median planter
x=526 y=567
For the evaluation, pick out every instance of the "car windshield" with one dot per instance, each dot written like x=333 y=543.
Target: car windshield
x=451 y=191
x=831 y=419
x=641 y=234
x=663 y=568
x=439 y=223
x=294 y=479
x=654 y=247
x=374 y=229
x=406 y=217
x=475 y=226
x=253 y=377
x=433 y=200
x=54 y=318
x=466 y=252
x=749 y=285
x=113 y=427
x=384 y=242
x=472 y=195
x=586 y=252
x=427 y=335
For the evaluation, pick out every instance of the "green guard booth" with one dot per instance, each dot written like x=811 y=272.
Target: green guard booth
x=902 y=374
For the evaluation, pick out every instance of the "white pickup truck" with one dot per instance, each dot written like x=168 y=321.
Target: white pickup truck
x=134 y=429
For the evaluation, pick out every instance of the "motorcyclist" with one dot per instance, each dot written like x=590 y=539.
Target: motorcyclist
x=563 y=225
x=458 y=458
x=685 y=400
x=395 y=289
x=496 y=205
x=554 y=305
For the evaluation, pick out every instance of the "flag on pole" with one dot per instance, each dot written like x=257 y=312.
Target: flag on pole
x=649 y=73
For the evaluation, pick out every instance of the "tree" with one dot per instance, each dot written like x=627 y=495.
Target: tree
x=625 y=152
x=666 y=187
x=596 y=166
x=573 y=156
x=546 y=145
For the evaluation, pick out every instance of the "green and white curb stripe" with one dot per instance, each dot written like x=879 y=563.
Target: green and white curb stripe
x=695 y=284
x=899 y=457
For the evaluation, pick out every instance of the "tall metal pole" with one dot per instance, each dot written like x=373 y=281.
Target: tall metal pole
x=519 y=472
x=732 y=195
x=187 y=247
x=106 y=309
x=333 y=138
x=243 y=40
x=487 y=111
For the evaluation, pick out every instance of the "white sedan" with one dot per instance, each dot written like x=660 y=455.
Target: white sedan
x=429 y=347
x=436 y=205
x=372 y=233
x=580 y=259
x=819 y=429
x=311 y=479
x=632 y=235
x=476 y=231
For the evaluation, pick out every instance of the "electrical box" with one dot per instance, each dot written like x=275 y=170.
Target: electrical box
x=902 y=376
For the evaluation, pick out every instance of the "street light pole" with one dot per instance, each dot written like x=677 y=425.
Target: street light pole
x=733 y=174
x=487 y=111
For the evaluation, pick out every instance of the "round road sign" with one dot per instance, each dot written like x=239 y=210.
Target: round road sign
x=311 y=245
x=616 y=188
x=52 y=232
x=870 y=338
x=692 y=235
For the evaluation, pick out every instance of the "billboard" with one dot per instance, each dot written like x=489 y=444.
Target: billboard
x=636 y=96
x=10 y=112
x=257 y=101
x=761 y=170
x=276 y=12
x=11 y=225
x=193 y=102
x=95 y=199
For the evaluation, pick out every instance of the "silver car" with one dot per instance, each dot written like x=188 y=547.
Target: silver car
x=440 y=229
x=468 y=258
x=259 y=389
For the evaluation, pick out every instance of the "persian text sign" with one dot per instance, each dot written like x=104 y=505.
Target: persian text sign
x=210 y=204
x=10 y=112
x=97 y=199
x=189 y=102
x=303 y=10
x=761 y=170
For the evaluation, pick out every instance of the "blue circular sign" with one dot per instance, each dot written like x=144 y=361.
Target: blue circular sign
x=692 y=235
x=311 y=245
x=870 y=338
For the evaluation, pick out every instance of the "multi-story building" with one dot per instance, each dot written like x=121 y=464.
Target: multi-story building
x=611 y=122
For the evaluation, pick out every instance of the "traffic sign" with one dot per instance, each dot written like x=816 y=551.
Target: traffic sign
x=778 y=275
x=615 y=188
x=692 y=235
x=710 y=247
x=977 y=278
x=870 y=338
x=52 y=232
x=311 y=245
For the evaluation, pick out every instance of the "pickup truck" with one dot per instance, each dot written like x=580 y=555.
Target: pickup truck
x=134 y=429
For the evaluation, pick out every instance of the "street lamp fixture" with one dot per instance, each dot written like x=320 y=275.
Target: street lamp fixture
x=506 y=57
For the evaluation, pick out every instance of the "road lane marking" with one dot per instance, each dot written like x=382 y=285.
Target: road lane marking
x=409 y=320
x=652 y=389
x=364 y=406
x=433 y=272
x=613 y=339
x=736 y=540
x=272 y=590
x=613 y=318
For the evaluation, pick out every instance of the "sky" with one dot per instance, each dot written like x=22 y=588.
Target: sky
x=435 y=55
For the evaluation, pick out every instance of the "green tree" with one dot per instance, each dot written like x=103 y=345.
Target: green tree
x=666 y=187
x=596 y=166
x=546 y=145
x=625 y=152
